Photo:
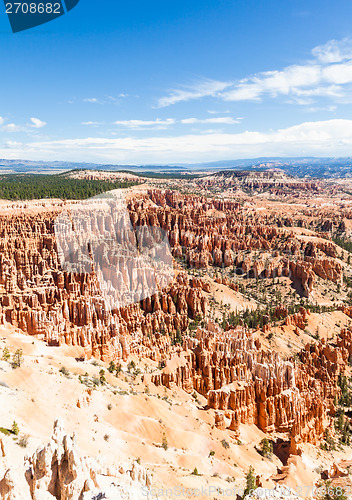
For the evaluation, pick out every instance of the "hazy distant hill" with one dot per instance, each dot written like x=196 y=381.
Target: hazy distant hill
x=301 y=167
x=45 y=167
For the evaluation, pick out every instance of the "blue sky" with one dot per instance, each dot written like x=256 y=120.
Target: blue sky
x=179 y=81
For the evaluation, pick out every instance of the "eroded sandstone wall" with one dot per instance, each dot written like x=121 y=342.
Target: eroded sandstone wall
x=249 y=385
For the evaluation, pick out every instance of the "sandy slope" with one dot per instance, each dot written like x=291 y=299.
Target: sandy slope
x=36 y=394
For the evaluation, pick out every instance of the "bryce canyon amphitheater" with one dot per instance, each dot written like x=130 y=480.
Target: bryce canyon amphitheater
x=222 y=360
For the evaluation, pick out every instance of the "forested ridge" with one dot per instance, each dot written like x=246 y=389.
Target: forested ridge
x=38 y=186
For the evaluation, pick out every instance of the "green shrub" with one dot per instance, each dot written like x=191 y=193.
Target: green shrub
x=64 y=371
x=131 y=366
x=15 y=429
x=225 y=444
x=23 y=441
x=5 y=354
x=164 y=443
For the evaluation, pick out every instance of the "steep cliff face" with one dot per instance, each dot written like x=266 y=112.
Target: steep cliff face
x=247 y=384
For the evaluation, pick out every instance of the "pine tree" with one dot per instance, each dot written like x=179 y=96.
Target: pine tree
x=17 y=359
x=102 y=378
x=251 y=482
x=330 y=492
x=266 y=447
x=5 y=354
x=112 y=367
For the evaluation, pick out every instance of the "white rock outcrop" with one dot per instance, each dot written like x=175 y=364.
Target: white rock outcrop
x=58 y=472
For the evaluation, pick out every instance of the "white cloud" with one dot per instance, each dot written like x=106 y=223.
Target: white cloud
x=338 y=73
x=214 y=112
x=315 y=109
x=36 y=123
x=136 y=124
x=107 y=99
x=159 y=123
x=11 y=127
x=226 y=120
x=329 y=91
x=91 y=123
x=327 y=74
x=204 y=88
x=320 y=138
x=333 y=51
x=275 y=83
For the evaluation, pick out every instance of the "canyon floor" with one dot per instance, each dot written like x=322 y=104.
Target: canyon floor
x=233 y=372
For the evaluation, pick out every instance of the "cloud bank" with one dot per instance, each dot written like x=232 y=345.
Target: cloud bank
x=320 y=138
